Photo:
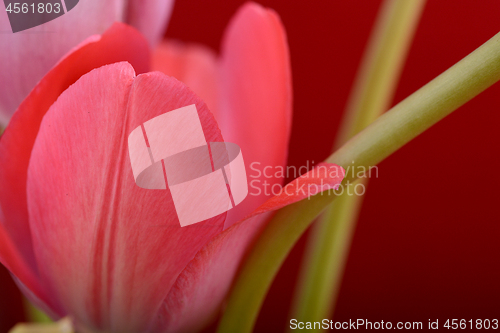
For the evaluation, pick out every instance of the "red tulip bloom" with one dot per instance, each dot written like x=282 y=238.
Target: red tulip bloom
x=81 y=238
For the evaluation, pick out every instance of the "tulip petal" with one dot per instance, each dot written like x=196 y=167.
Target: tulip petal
x=28 y=55
x=193 y=64
x=119 y=43
x=110 y=250
x=255 y=98
x=200 y=289
x=248 y=89
x=150 y=17
x=253 y=109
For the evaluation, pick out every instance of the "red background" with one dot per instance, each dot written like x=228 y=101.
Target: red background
x=426 y=245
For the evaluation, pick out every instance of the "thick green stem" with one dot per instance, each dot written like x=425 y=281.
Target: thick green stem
x=325 y=256
x=388 y=133
x=329 y=241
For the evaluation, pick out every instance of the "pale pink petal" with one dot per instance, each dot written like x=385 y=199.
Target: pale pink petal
x=150 y=17
x=119 y=43
x=200 y=289
x=255 y=96
x=28 y=55
x=108 y=249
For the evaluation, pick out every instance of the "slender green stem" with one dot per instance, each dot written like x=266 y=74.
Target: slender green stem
x=381 y=66
x=388 y=133
x=330 y=239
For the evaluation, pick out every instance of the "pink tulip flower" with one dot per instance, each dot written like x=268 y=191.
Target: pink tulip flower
x=80 y=238
x=28 y=55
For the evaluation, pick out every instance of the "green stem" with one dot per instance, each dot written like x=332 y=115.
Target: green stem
x=381 y=66
x=450 y=90
x=330 y=238
x=325 y=257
